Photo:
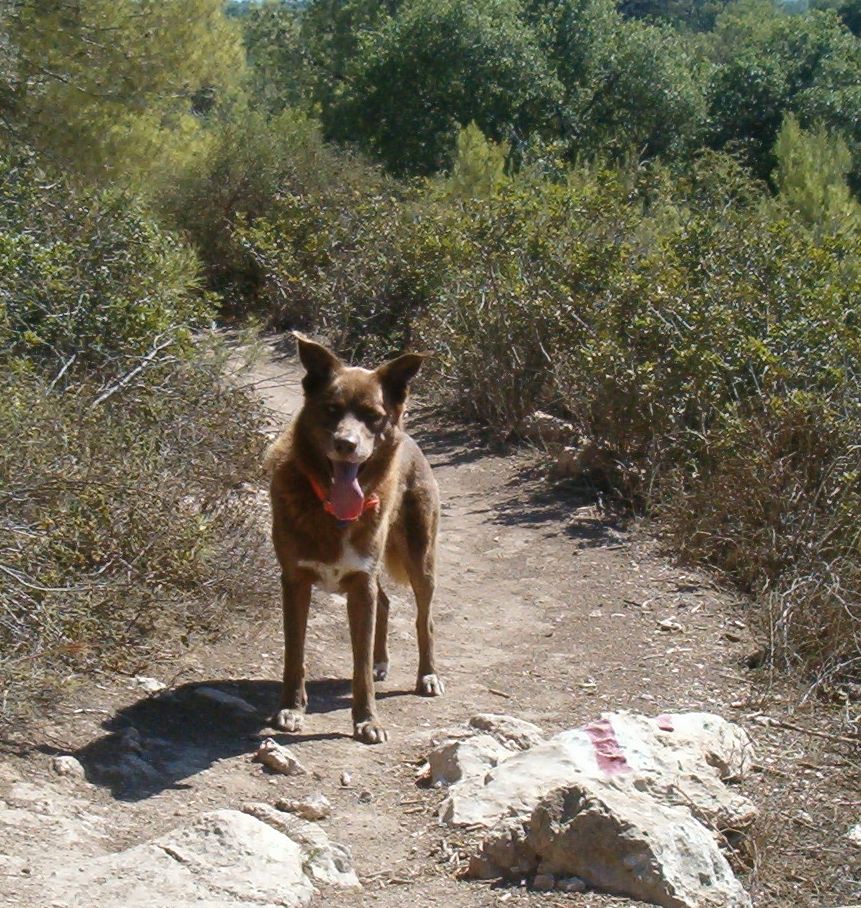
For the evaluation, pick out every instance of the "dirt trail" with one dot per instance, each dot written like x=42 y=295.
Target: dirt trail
x=544 y=610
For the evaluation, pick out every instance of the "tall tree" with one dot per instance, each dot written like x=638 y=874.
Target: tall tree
x=436 y=66
x=108 y=87
x=628 y=85
x=770 y=63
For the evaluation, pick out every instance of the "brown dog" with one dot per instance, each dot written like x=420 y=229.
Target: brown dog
x=351 y=491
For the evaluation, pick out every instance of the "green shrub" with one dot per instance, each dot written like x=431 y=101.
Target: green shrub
x=255 y=171
x=122 y=448
x=88 y=284
x=122 y=524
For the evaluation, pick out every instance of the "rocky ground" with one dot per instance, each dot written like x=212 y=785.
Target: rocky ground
x=547 y=609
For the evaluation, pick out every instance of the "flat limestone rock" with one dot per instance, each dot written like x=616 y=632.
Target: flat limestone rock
x=628 y=804
x=224 y=859
x=35 y=814
x=324 y=861
x=508 y=730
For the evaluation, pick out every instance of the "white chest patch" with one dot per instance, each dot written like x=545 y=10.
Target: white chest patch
x=329 y=576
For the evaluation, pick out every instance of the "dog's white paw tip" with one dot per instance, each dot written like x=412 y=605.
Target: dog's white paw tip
x=290 y=720
x=370 y=732
x=430 y=686
x=381 y=671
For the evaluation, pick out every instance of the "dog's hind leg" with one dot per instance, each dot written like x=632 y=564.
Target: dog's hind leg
x=381 y=637
x=296 y=600
x=422 y=574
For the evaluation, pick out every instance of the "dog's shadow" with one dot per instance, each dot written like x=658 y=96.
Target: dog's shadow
x=159 y=742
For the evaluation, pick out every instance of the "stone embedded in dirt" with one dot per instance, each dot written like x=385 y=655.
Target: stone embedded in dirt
x=489 y=739
x=589 y=459
x=854 y=835
x=278 y=759
x=67 y=765
x=34 y=815
x=324 y=861
x=346 y=780
x=130 y=740
x=639 y=797
x=544 y=882
x=508 y=730
x=149 y=685
x=224 y=858
x=311 y=807
x=229 y=701
x=543 y=427
x=468 y=758
x=570 y=884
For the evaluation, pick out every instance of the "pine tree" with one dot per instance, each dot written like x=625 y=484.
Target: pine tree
x=811 y=177
x=111 y=88
x=479 y=165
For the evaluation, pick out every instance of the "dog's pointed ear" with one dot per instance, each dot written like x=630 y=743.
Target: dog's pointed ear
x=395 y=376
x=320 y=362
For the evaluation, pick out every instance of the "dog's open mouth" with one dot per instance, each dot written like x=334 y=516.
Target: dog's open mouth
x=346 y=495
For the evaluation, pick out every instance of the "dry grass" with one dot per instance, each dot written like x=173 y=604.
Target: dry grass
x=122 y=521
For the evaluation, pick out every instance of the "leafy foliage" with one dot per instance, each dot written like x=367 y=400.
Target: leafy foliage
x=642 y=217
x=87 y=283
x=435 y=67
x=811 y=178
x=120 y=445
x=774 y=63
x=113 y=88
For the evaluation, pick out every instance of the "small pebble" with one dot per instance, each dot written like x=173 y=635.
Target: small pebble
x=312 y=807
x=67 y=765
x=571 y=884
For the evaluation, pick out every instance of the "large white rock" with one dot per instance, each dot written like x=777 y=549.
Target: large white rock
x=324 y=861
x=224 y=859
x=679 y=759
x=628 y=803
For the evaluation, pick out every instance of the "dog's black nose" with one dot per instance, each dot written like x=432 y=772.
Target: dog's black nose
x=345 y=445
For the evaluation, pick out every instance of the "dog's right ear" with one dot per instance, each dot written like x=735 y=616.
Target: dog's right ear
x=320 y=363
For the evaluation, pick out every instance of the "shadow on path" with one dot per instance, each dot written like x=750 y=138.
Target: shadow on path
x=159 y=742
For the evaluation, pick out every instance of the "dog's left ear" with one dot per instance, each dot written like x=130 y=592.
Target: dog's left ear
x=395 y=376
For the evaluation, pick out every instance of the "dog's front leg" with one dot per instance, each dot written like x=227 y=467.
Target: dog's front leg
x=296 y=595
x=361 y=608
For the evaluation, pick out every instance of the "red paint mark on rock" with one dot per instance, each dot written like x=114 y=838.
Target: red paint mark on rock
x=608 y=752
x=665 y=722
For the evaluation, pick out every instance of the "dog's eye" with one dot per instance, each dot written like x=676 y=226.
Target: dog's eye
x=371 y=417
x=334 y=409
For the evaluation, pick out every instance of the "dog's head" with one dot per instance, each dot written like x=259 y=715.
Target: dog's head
x=349 y=412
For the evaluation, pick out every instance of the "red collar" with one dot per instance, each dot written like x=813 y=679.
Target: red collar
x=371 y=503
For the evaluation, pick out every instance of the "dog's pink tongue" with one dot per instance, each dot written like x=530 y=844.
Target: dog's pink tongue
x=346 y=496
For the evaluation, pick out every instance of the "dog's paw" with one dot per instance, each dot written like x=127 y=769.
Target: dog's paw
x=290 y=720
x=430 y=686
x=370 y=732
x=381 y=671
